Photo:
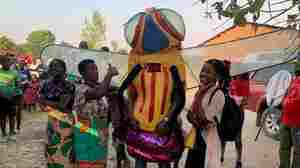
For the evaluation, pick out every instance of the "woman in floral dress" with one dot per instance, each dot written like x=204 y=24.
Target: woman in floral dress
x=91 y=116
x=57 y=94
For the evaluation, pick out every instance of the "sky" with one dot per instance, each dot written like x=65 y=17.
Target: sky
x=65 y=18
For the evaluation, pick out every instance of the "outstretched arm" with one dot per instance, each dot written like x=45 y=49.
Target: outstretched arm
x=126 y=83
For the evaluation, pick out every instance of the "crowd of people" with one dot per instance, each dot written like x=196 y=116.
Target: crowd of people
x=19 y=90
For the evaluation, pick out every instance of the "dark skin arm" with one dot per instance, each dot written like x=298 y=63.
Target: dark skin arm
x=102 y=89
x=99 y=91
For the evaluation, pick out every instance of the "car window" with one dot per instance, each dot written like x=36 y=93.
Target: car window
x=265 y=74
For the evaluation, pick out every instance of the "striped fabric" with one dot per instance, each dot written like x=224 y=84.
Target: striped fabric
x=154 y=89
x=155 y=37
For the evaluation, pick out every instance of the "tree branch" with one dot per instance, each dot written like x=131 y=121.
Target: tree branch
x=281 y=2
x=273 y=11
x=269 y=5
x=276 y=16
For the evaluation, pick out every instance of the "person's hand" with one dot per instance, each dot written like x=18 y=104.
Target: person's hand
x=197 y=120
x=210 y=125
x=112 y=71
x=190 y=116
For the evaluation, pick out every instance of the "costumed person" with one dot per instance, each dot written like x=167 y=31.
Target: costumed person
x=57 y=94
x=156 y=87
x=31 y=94
x=208 y=103
x=91 y=116
x=10 y=91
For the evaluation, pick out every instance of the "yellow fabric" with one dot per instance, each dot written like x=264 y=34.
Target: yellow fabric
x=53 y=113
x=141 y=108
x=190 y=138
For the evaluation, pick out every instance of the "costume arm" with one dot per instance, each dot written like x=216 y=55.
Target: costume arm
x=126 y=83
x=131 y=76
x=178 y=96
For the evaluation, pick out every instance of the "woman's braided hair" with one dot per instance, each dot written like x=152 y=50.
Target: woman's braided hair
x=223 y=73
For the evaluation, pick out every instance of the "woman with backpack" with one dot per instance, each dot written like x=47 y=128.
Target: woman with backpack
x=207 y=105
x=239 y=91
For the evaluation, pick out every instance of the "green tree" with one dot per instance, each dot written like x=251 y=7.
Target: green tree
x=37 y=40
x=7 y=44
x=94 y=31
x=240 y=10
x=25 y=48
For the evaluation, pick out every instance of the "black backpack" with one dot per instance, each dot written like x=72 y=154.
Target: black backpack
x=231 y=120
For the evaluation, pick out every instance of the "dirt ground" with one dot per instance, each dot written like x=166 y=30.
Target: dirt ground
x=27 y=151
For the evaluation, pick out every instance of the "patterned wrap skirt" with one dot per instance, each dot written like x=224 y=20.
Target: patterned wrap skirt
x=60 y=143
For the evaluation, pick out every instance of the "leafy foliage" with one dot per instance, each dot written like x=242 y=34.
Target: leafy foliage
x=25 y=48
x=37 y=40
x=94 y=31
x=252 y=7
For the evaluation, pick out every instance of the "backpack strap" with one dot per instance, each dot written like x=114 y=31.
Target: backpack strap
x=218 y=127
x=213 y=94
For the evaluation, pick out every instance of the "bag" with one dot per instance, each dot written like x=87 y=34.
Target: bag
x=232 y=119
x=152 y=147
x=86 y=140
x=196 y=155
x=291 y=105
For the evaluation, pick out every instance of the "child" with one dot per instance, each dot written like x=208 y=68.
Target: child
x=208 y=103
x=9 y=91
x=31 y=94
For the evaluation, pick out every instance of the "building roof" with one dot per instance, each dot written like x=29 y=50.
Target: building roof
x=237 y=32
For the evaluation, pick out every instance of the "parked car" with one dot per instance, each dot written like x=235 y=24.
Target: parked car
x=257 y=100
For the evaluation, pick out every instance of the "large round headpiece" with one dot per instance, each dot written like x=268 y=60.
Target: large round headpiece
x=154 y=30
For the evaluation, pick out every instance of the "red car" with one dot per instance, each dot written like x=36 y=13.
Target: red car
x=257 y=100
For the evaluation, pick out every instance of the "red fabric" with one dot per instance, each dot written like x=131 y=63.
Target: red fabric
x=25 y=59
x=164 y=24
x=240 y=87
x=196 y=106
x=32 y=93
x=291 y=105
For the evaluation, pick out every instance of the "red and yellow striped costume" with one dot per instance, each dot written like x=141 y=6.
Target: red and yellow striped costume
x=154 y=89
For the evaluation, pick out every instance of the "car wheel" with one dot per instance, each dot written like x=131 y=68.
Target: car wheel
x=271 y=125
